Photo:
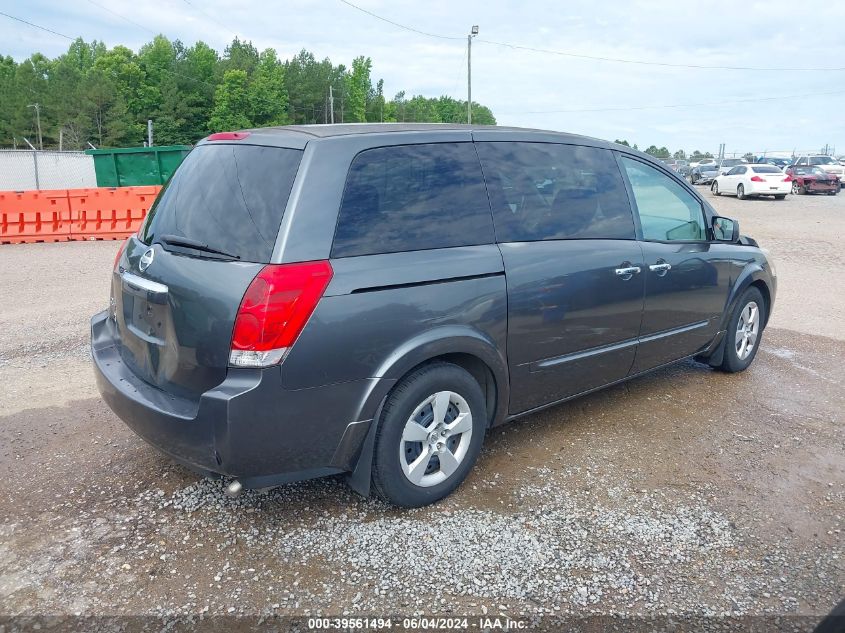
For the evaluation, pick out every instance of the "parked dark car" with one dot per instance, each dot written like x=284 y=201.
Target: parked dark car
x=812 y=179
x=371 y=299
x=703 y=174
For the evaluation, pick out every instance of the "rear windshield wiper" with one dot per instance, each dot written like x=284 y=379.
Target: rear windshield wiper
x=176 y=240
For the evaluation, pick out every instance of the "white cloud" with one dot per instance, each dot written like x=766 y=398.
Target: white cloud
x=515 y=83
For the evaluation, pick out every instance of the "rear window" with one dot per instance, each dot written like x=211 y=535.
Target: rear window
x=550 y=191
x=766 y=169
x=228 y=197
x=413 y=197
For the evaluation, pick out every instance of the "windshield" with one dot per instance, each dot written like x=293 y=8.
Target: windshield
x=731 y=162
x=225 y=198
x=822 y=160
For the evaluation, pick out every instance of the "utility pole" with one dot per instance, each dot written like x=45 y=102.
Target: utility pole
x=331 y=103
x=472 y=34
x=37 y=107
x=61 y=138
x=149 y=132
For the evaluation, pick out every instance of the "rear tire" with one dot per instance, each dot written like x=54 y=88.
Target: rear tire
x=797 y=189
x=429 y=435
x=745 y=330
x=740 y=192
x=715 y=188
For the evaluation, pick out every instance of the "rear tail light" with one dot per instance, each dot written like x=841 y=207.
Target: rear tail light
x=757 y=179
x=788 y=178
x=274 y=309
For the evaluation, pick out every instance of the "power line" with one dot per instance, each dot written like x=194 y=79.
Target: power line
x=210 y=17
x=459 y=75
x=648 y=63
x=678 y=105
x=122 y=17
x=590 y=57
x=43 y=28
x=401 y=26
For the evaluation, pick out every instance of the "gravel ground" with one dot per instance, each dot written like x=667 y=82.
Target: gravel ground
x=686 y=492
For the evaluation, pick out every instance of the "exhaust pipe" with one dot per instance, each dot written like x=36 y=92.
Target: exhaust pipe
x=234 y=489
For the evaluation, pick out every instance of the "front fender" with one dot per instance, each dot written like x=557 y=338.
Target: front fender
x=753 y=272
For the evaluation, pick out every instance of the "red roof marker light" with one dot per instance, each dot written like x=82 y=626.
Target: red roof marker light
x=228 y=136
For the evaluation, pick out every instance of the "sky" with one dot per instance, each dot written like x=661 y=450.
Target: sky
x=774 y=111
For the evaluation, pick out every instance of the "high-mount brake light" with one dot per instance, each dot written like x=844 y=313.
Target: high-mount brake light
x=228 y=136
x=274 y=310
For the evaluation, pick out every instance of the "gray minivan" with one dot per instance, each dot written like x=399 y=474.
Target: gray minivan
x=370 y=299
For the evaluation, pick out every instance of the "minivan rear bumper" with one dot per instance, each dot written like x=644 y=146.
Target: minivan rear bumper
x=248 y=427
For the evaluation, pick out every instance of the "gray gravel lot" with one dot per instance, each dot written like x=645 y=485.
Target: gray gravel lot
x=683 y=492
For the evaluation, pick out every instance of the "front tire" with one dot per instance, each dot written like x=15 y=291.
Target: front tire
x=429 y=435
x=714 y=188
x=740 y=192
x=745 y=329
x=797 y=189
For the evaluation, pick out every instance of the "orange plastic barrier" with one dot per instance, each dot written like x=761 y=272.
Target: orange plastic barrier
x=34 y=216
x=109 y=214
x=59 y=215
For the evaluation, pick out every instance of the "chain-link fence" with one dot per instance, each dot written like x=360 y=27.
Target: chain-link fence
x=21 y=170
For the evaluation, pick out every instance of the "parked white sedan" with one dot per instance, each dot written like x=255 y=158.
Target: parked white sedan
x=758 y=179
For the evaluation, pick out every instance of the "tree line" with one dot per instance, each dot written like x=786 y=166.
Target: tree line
x=664 y=153
x=93 y=94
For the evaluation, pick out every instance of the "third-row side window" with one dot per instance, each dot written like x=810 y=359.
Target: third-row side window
x=551 y=191
x=413 y=197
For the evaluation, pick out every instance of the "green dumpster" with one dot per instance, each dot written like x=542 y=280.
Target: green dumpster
x=132 y=166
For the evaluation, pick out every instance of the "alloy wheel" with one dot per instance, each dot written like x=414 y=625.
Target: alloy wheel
x=747 y=330
x=435 y=439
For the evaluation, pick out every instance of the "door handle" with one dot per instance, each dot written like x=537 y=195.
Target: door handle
x=627 y=272
x=661 y=269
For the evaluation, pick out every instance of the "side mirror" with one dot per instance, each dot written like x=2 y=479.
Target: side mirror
x=725 y=229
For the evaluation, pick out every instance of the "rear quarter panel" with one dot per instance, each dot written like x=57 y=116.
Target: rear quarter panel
x=383 y=314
